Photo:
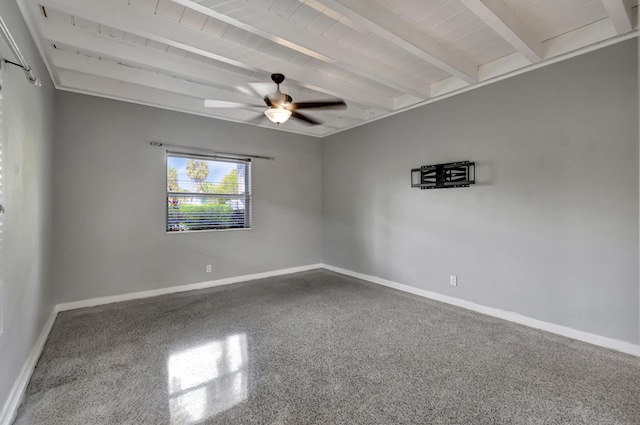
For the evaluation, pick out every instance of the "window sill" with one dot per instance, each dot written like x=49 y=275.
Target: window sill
x=182 y=232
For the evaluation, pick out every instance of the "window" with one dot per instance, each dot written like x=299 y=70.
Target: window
x=207 y=193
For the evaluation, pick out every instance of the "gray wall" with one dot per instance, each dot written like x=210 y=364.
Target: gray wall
x=25 y=269
x=551 y=229
x=110 y=200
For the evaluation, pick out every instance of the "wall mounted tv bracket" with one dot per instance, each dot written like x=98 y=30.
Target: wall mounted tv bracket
x=444 y=176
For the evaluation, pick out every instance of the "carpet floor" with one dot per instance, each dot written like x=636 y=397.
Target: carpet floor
x=318 y=348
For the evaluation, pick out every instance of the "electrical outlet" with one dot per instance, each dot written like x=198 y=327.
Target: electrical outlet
x=208 y=268
x=453 y=280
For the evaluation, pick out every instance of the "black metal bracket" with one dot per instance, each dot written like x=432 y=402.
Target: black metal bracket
x=444 y=176
x=17 y=64
x=27 y=70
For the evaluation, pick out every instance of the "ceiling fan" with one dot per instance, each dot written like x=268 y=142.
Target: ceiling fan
x=280 y=106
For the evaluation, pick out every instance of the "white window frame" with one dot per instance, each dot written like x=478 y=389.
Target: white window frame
x=245 y=197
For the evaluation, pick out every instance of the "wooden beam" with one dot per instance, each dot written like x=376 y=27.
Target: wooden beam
x=382 y=22
x=115 y=71
x=578 y=38
x=108 y=47
x=500 y=18
x=135 y=21
x=620 y=14
x=287 y=33
x=112 y=89
x=105 y=46
x=139 y=77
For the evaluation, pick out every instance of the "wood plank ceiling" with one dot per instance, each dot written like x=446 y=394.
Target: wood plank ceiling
x=380 y=56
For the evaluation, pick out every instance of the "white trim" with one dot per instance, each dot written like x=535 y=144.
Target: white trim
x=554 y=59
x=12 y=404
x=181 y=288
x=611 y=343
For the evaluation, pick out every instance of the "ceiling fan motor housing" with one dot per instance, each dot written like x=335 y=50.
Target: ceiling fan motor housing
x=277 y=78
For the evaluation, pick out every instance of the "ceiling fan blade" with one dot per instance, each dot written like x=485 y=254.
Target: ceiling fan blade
x=262 y=89
x=326 y=104
x=305 y=118
x=210 y=103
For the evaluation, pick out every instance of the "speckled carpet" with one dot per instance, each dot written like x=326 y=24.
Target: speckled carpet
x=318 y=348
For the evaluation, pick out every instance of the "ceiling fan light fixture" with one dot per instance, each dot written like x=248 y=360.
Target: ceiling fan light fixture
x=277 y=114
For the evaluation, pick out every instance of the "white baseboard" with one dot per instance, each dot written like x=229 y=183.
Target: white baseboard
x=611 y=343
x=182 y=288
x=12 y=404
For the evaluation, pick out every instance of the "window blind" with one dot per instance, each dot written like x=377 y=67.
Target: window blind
x=207 y=192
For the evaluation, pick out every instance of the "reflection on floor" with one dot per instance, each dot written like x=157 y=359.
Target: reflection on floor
x=318 y=348
x=207 y=379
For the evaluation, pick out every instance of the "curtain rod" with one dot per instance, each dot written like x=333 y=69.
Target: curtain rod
x=240 y=155
x=22 y=63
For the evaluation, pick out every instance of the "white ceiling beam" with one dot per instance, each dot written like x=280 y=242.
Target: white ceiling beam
x=384 y=23
x=578 y=38
x=68 y=35
x=286 y=33
x=111 y=70
x=447 y=85
x=84 y=83
x=503 y=65
x=620 y=14
x=112 y=89
x=500 y=18
x=135 y=21
x=108 y=47
x=406 y=101
x=108 y=69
